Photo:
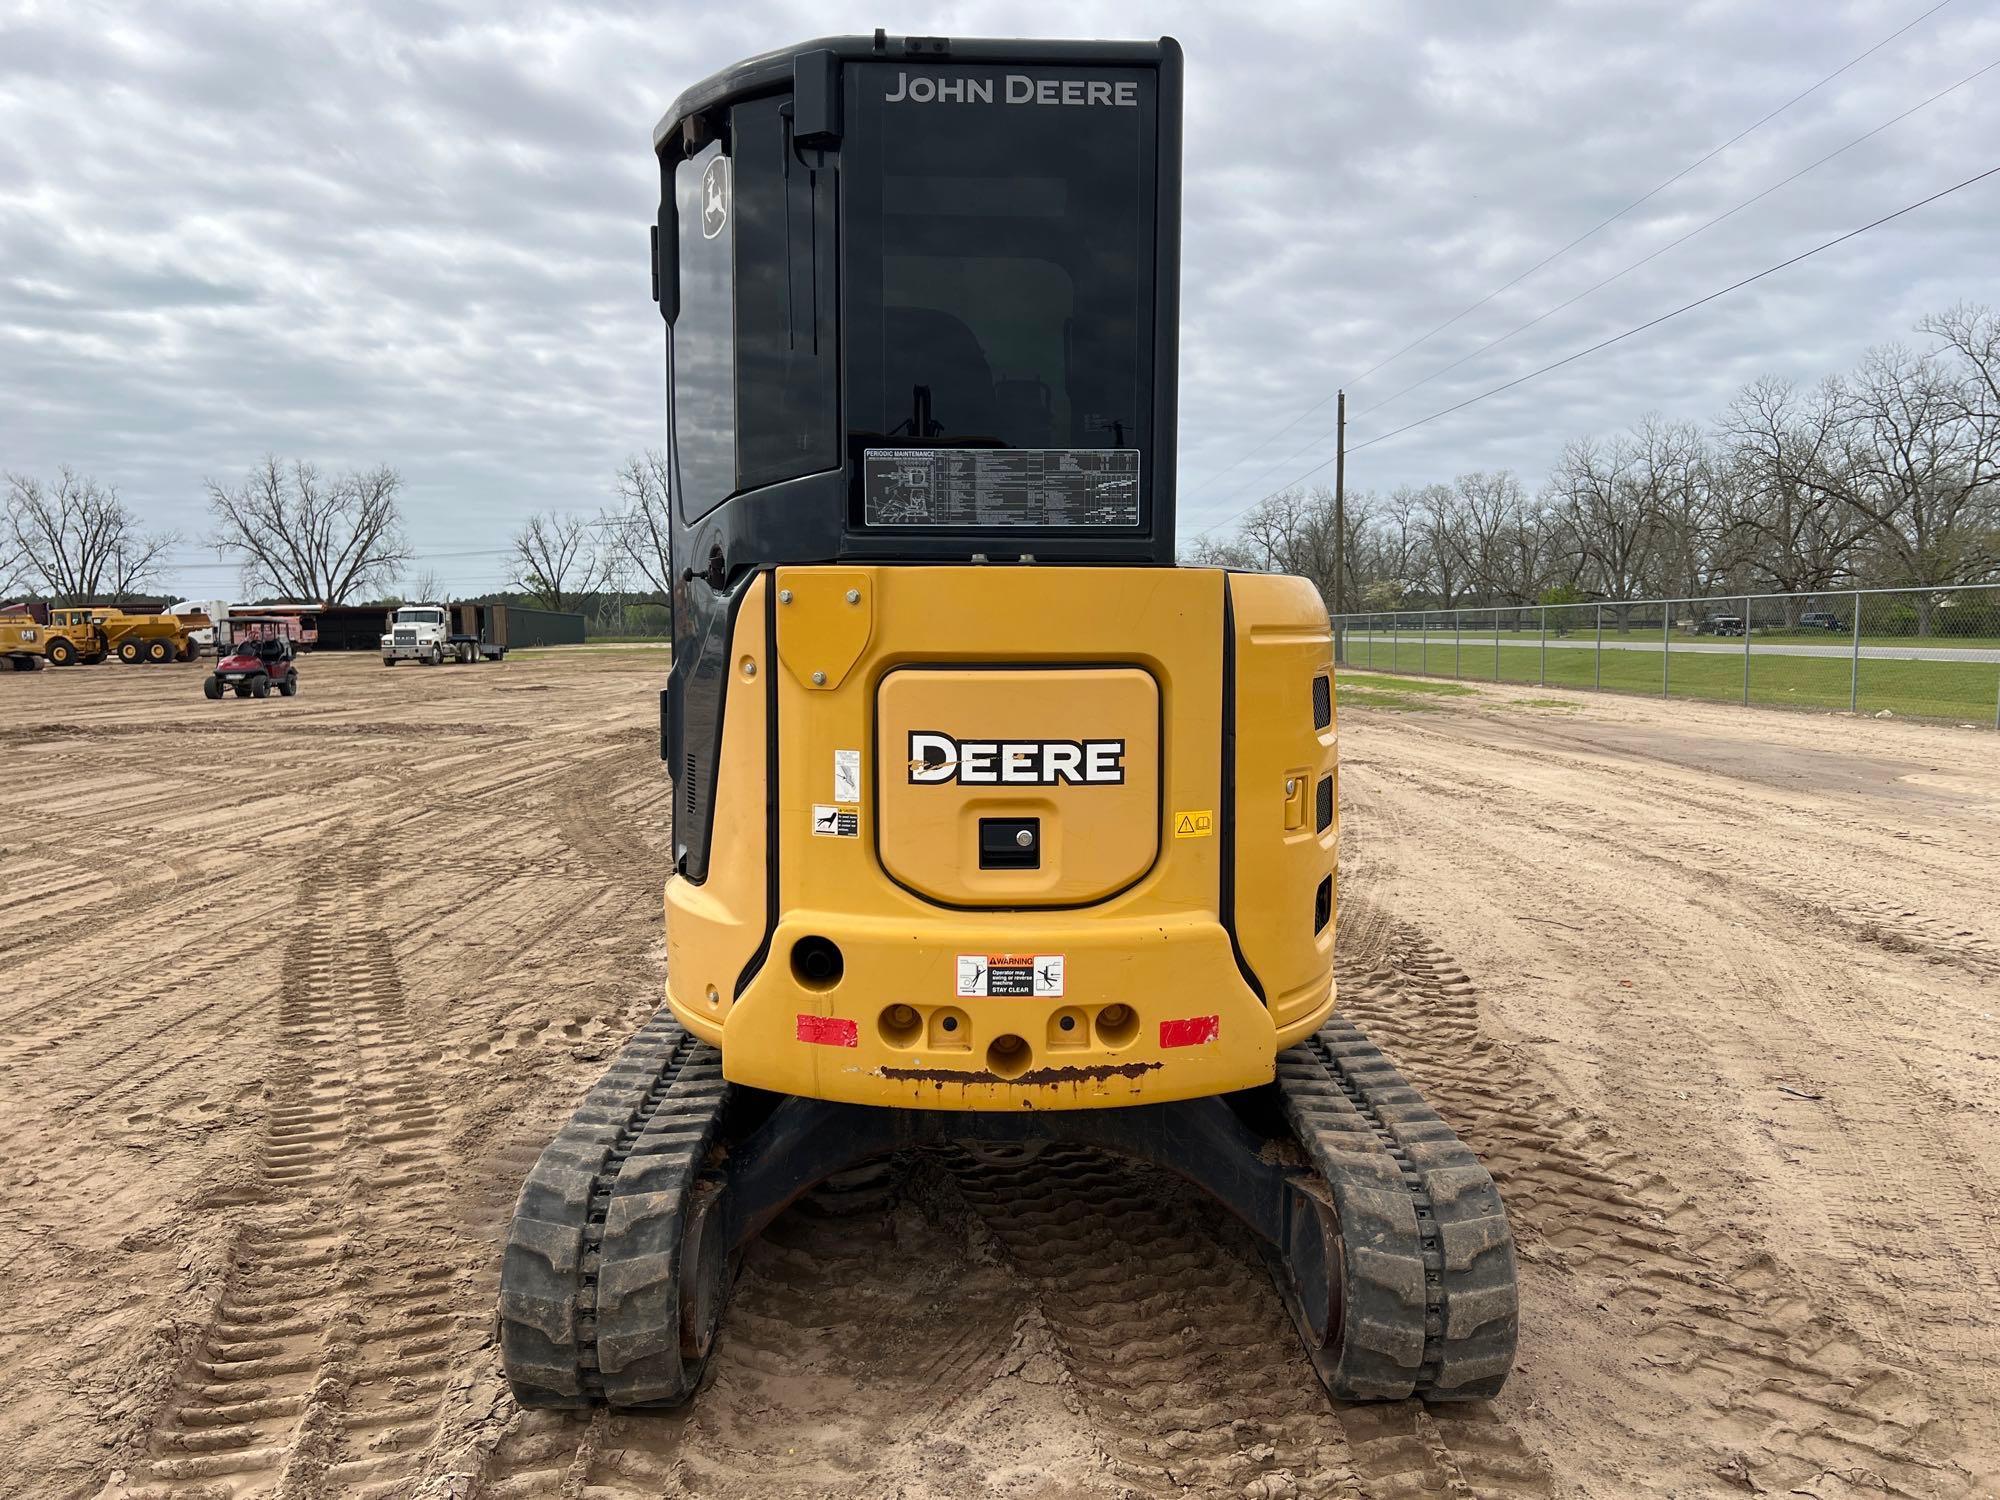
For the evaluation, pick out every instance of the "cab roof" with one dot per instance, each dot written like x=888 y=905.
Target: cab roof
x=772 y=72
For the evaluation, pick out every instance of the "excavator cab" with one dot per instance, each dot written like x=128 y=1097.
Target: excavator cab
x=992 y=825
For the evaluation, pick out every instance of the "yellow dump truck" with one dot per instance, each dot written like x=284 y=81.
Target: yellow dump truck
x=89 y=634
x=21 y=641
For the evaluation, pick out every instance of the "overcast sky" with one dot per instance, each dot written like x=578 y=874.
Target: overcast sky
x=415 y=233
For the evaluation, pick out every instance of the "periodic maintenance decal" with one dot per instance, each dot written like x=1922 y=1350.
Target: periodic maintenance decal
x=1009 y=974
x=990 y=487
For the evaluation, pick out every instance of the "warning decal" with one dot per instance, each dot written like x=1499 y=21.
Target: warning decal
x=834 y=822
x=847 y=775
x=1196 y=823
x=1017 y=974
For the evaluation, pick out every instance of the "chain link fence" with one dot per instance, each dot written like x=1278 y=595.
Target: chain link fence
x=1916 y=653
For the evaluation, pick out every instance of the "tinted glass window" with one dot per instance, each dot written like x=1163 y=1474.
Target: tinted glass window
x=787 y=398
x=999 y=256
x=701 y=344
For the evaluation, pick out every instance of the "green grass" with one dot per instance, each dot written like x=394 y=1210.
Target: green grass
x=1405 y=693
x=634 y=652
x=1960 y=691
x=1441 y=639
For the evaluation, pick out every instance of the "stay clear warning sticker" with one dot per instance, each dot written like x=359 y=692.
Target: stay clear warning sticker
x=833 y=822
x=1015 y=974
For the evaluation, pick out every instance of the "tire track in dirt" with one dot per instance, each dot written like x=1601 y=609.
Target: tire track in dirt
x=1168 y=1324
x=91 y=993
x=1849 y=1075
x=864 y=1324
x=320 y=1368
x=1143 y=1320
x=1714 y=801
x=1716 y=1319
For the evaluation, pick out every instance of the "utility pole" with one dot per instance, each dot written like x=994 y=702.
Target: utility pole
x=1340 y=523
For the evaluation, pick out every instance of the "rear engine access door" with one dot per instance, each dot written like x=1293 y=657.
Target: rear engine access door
x=1030 y=786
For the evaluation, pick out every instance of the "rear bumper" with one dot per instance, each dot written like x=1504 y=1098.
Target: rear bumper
x=1193 y=1027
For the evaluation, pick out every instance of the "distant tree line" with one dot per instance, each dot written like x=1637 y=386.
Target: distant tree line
x=1886 y=476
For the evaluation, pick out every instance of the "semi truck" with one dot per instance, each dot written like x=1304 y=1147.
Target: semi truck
x=434 y=633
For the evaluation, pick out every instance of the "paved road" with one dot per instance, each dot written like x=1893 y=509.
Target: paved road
x=1442 y=640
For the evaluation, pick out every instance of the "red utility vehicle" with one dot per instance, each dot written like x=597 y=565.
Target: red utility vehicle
x=261 y=658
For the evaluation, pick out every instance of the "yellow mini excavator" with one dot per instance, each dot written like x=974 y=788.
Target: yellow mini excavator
x=992 y=826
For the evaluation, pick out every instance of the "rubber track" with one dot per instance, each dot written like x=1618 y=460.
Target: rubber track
x=551 y=1267
x=1429 y=1260
x=639 y=1279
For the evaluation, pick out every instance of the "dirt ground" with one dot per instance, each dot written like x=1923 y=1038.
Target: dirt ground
x=296 y=990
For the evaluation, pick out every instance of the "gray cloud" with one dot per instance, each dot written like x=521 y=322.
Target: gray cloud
x=415 y=233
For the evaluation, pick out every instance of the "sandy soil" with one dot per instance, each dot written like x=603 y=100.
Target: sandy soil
x=296 y=990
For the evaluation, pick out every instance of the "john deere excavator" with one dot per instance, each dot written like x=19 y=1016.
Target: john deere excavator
x=993 y=826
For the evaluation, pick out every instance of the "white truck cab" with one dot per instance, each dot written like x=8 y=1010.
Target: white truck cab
x=215 y=609
x=424 y=633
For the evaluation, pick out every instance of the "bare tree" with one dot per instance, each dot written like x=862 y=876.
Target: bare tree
x=1890 y=475
x=555 y=558
x=1674 y=488
x=1506 y=540
x=1972 y=333
x=1292 y=532
x=14 y=573
x=1795 y=532
x=1920 y=471
x=426 y=586
x=1605 y=523
x=75 y=540
x=303 y=536
x=1210 y=551
x=640 y=529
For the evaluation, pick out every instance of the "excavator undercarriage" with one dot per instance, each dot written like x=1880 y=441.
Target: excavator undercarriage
x=1383 y=1233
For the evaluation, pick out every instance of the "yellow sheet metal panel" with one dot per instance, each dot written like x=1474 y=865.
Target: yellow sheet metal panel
x=1073 y=753
x=1287 y=822
x=1136 y=997
x=1164 y=622
x=714 y=928
x=896 y=1030
x=825 y=616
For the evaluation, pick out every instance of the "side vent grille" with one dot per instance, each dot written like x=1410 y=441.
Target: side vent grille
x=690 y=803
x=1322 y=702
x=1323 y=905
x=1323 y=800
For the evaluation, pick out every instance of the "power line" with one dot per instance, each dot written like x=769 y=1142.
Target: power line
x=1556 y=255
x=1619 y=338
x=1682 y=240
x=1655 y=191
x=171 y=565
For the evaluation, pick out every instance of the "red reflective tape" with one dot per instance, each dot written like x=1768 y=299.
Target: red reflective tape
x=1191 y=1032
x=829 y=1031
